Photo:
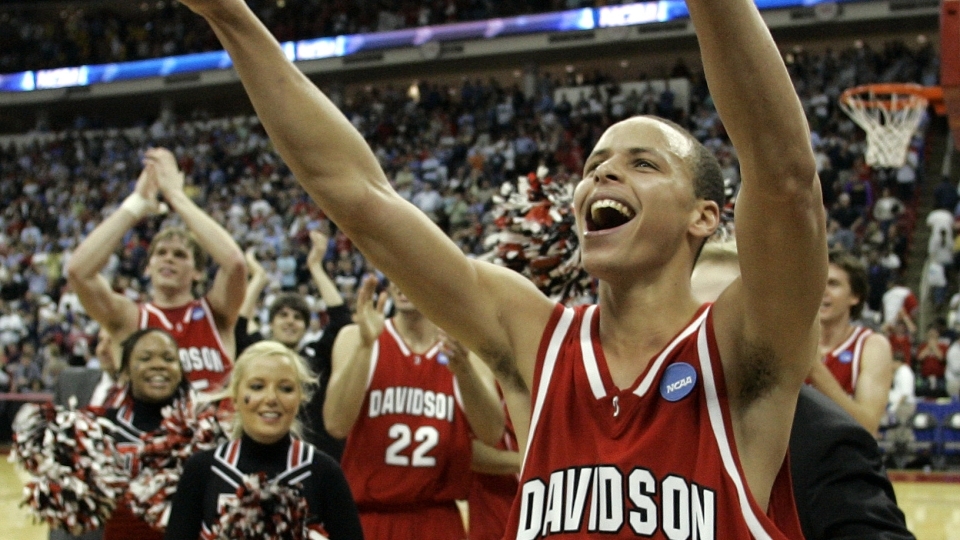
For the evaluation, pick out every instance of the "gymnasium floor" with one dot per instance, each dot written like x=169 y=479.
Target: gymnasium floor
x=931 y=503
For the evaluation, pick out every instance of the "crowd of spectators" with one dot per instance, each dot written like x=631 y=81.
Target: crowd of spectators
x=41 y=37
x=447 y=149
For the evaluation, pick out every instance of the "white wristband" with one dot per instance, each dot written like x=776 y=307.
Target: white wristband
x=136 y=204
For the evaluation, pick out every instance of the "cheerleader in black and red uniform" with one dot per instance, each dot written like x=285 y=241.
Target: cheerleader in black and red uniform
x=151 y=363
x=220 y=491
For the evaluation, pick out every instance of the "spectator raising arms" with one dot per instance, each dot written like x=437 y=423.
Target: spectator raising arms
x=650 y=197
x=289 y=315
x=203 y=327
x=407 y=464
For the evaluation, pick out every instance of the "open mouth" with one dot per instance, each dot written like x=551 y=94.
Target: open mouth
x=608 y=214
x=158 y=380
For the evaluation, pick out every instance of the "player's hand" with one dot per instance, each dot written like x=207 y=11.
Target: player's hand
x=318 y=248
x=457 y=356
x=143 y=201
x=369 y=317
x=169 y=177
x=253 y=265
x=215 y=8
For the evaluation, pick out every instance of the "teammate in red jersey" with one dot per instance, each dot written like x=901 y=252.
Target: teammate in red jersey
x=495 y=485
x=203 y=327
x=651 y=195
x=857 y=367
x=407 y=399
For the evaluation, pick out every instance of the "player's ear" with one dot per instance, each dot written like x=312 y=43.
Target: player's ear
x=705 y=218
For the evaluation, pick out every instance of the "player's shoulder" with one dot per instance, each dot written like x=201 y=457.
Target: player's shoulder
x=877 y=343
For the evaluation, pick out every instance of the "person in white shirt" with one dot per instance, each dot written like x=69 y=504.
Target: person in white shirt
x=940 y=245
x=903 y=392
x=952 y=374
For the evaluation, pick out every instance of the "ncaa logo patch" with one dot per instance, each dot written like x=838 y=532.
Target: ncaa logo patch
x=197 y=313
x=845 y=357
x=678 y=381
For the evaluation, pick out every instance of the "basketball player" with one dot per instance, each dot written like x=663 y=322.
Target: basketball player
x=495 y=485
x=652 y=415
x=857 y=367
x=839 y=483
x=407 y=399
x=203 y=327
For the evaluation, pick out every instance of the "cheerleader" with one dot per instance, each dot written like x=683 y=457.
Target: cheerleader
x=266 y=482
x=150 y=361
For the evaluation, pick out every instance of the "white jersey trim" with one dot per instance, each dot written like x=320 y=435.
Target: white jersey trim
x=658 y=363
x=374 y=356
x=589 y=358
x=720 y=433
x=457 y=396
x=849 y=341
x=404 y=348
x=857 y=353
x=388 y=324
x=549 y=362
x=148 y=307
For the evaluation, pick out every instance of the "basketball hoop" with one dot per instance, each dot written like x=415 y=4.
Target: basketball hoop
x=890 y=114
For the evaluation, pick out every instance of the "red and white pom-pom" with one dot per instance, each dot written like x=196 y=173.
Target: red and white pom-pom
x=184 y=431
x=537 y=236
x=263 y=510
x=76 y=479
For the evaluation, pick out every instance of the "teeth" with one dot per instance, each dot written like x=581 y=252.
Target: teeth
x=271 y=415
x=598 y=206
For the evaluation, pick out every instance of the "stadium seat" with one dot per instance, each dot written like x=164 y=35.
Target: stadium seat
x=950 y=435
x=925 y=436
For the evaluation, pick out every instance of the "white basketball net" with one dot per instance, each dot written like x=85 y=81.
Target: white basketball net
x=890 y=120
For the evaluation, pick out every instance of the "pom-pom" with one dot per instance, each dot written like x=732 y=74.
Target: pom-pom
x=184 y=431
x=77 y=479
x=537 y=236
x=264 y=510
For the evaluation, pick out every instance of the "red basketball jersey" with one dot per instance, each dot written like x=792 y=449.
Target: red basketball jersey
x=844 y=361
x=491 y=495
x=410 y=445
x=656 y=460
x=206 y=363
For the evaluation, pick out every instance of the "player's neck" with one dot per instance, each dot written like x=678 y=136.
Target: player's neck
x=416 y=330
x=166 y=298
x=636 y=324
x=833 y=333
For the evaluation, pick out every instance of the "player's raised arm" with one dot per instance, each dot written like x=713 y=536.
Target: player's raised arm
x=227 y=292
x=767 y=323
x=478 y=392
x=350 y=366
x=116 y=312
x=473 y=302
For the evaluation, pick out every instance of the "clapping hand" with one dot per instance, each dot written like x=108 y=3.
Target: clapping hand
x=318 y=248
x=456 y=354
x=164 y=166
x=369 y=317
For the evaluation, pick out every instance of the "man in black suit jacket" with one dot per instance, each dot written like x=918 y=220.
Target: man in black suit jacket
x=841 y=489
